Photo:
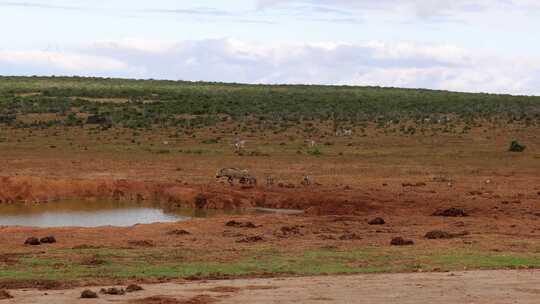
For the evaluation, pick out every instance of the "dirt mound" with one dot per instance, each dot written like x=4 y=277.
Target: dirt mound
x=32 y=241
x=88 y=294
x=399 y=241
x=4 y=294
x=377 y=221
x=438 y=234
x=451 y=212
x=133 y=288
x=48 y=240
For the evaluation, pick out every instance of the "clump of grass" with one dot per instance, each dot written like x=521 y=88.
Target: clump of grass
x=315 y=151
x=210 y=141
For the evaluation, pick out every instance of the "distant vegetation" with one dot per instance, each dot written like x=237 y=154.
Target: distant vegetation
x=42 y=102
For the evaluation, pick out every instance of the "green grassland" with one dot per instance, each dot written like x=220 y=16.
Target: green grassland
x=147 y=104
x=173 y=263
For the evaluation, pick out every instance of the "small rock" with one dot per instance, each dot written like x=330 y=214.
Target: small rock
x=88 y=294
x=33 y=241
x=133 y=288
x=48 y=240
x=399 y=241
x=377 y=221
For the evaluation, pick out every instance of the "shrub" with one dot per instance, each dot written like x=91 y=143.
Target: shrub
x=314 y=151
x=515 y=146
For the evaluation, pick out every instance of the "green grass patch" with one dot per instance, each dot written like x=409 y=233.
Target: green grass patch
x=180 y=263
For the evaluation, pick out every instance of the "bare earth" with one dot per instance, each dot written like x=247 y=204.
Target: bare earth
x=456 y=287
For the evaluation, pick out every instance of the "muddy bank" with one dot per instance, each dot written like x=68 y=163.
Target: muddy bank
x=22 y=189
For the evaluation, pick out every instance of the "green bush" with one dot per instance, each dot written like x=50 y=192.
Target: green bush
x=515 y=146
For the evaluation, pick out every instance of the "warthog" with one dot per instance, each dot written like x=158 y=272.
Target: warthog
x=242 y=176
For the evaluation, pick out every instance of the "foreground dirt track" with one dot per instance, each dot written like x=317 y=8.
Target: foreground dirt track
x=479 y=287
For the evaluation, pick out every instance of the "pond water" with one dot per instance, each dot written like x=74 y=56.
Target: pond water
x=80 y=213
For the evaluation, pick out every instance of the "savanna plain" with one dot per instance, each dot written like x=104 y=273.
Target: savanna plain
x=392 y=189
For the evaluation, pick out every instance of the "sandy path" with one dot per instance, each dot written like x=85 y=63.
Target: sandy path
x=458 y=287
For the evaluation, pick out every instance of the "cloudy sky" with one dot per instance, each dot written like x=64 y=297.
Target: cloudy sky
x=462 y=45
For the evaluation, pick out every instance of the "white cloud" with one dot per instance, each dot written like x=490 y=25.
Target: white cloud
x=404 y=64
x=71 y=62
x=418 y=8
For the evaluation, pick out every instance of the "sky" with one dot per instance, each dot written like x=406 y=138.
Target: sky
x=460 y=45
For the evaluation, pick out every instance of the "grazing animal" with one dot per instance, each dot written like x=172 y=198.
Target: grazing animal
x=239 y=144
x=306 y=181
x=242 y=176
x=311 y=142
x=344 y=132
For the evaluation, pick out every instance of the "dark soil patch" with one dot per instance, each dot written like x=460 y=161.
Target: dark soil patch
x=241 y=224
x=141 y=243
x=287 y=231
x=178 y=232
x=413 y=185
x=251 y=239
x=350 y=237
x=201 y=299
x=113 y=291
x=156 y=300
x=399 y=241
x=451 y=212
x=92 y=261
x=224 y=289
x=377 y=221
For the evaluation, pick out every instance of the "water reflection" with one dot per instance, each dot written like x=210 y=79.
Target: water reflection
x=82 y=213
